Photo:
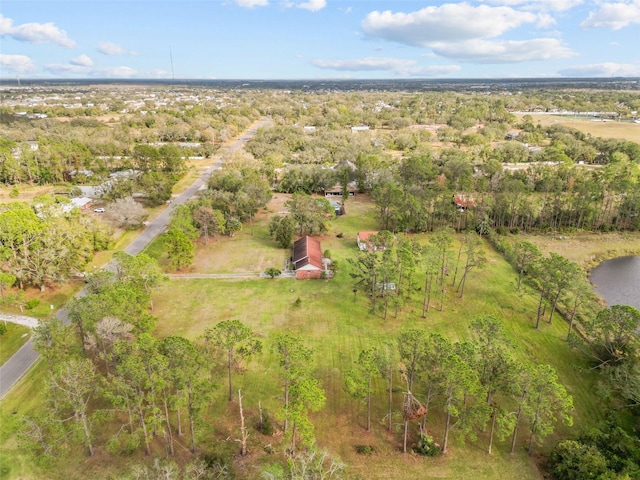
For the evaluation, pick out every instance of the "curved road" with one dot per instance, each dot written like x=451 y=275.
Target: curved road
x=24 y=358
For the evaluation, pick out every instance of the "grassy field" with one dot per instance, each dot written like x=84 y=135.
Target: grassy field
x=12 y=340
x=588 y=249
x=337 y=325
x=609 y=129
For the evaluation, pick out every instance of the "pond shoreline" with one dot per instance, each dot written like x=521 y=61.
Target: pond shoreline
x=617 y=280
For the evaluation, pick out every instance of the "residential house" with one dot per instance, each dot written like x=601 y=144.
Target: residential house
x=77 y=202
x=307 y=258
x=336 y=191
x=512 y=135
x=463 y=201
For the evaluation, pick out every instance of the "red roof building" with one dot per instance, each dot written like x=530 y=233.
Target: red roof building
x=464 y=201
x=307 y=258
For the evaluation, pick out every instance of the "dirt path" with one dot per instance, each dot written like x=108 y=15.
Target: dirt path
x=19 y=319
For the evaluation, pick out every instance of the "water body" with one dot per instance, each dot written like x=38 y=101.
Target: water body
x=617 y=281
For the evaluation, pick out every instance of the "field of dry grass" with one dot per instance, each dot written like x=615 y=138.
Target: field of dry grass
x=587 y=249
x=596 y=128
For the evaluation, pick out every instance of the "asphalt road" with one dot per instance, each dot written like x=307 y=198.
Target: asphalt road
x=23 y=359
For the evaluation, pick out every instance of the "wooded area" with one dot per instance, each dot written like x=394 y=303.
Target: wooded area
x=451 y=181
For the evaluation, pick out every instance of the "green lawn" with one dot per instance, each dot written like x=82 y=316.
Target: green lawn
x=12 y=340
x=337 y=327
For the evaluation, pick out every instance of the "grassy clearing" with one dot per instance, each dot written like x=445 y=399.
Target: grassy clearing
x=337 y=325
x=26 y=193
x=12 y=340
x=57 y=295
x=620 y=130
x=587 y=249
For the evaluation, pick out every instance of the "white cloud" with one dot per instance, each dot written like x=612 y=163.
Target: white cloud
x=34 y=32
x=545 y=20
x=546 y=5
x=67 y=69
x=311 y=5
x=614 y=15
x=82 y=60
x=608 y=69
x=17 y=63
x=252 y=3
x=115 y=72
x=511 y=51
x=398 y=66
x=110 y=48
x=462 y=32
x=448 y=22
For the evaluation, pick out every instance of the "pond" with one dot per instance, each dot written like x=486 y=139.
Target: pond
x=617 y=281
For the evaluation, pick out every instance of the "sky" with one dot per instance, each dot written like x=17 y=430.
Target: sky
x=318 y=39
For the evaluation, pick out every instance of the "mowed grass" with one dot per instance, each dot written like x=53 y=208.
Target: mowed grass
x=609 y=129
x=338 y=325
x=12 y=340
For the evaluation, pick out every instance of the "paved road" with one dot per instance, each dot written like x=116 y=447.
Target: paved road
x=24 y=358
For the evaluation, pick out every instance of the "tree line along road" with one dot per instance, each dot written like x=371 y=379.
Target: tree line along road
x=12 y=370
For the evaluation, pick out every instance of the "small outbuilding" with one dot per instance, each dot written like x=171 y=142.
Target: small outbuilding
x=463 y=201
x=338 y=191
x=364 y=240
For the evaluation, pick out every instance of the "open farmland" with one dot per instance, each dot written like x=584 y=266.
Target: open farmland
x=592 y=126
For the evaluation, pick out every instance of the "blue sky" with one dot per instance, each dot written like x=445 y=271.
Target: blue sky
x=319 y=39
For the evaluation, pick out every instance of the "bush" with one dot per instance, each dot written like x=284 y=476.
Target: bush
x=14 y=193
x=265 y=426
x=272 y=272
x=365 y=449
x=31 y=304
x=574 y=461
x=427 y=446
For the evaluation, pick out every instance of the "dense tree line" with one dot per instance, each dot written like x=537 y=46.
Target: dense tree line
x=233 y=197
x=434 y=190
x=40 y=244
x=472 y=384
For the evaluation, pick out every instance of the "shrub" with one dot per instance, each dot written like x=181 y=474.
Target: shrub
x=14 y=193
x=427 y=446
x=272 y=272
x=573 y=460
x=365 y=449
x=31 y=304
x=265 y=425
